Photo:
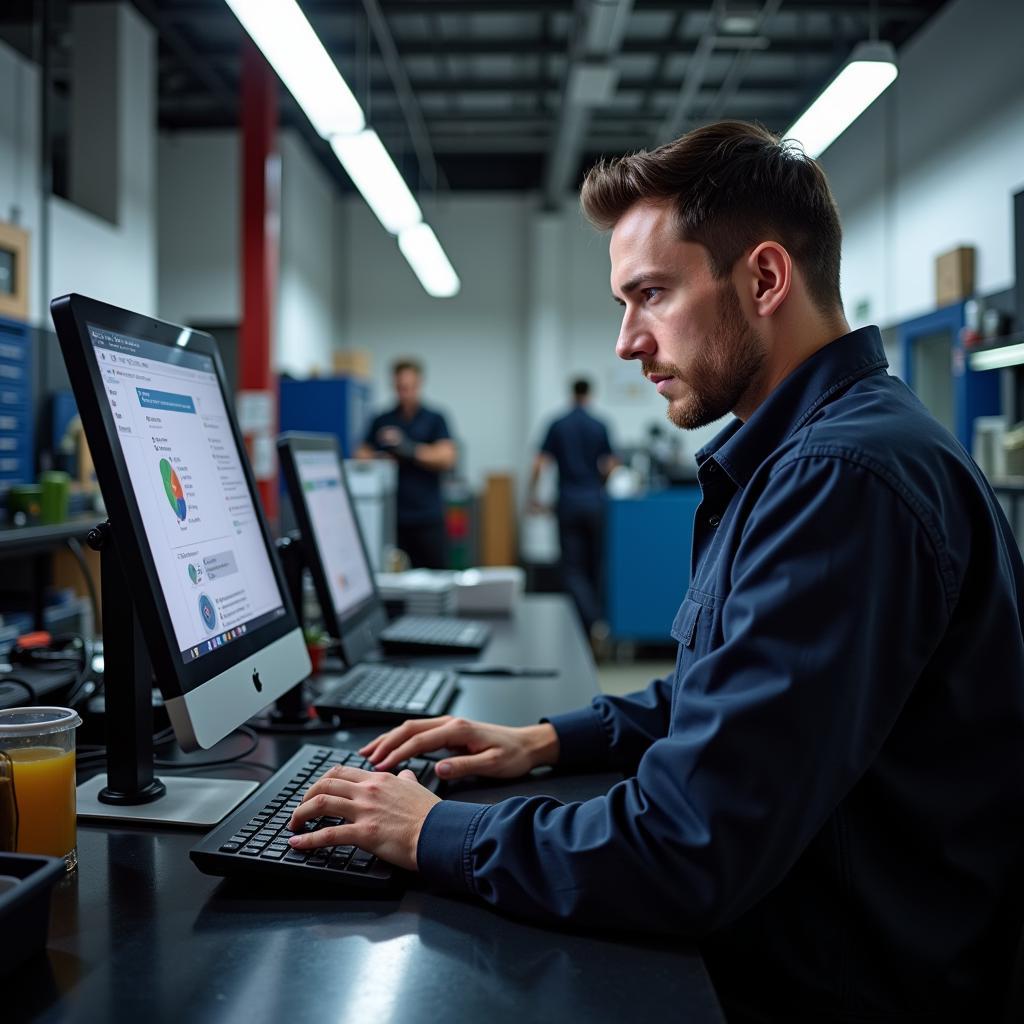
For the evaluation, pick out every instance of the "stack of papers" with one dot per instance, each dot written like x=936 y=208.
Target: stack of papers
x=419 y=591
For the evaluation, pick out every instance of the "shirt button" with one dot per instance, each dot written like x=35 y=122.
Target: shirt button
x=713 y=521
x=712 y=467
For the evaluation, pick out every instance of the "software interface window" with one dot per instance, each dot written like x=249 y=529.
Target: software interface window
x=199 y=519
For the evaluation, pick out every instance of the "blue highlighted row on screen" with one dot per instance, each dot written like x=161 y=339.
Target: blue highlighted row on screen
x=166 y=401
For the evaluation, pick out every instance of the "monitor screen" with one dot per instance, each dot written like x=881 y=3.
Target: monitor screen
x=185 y=529
x=195 y=505
x=335 y=532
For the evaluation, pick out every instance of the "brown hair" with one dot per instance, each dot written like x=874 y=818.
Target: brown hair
x=400 y=365
x=733 y=185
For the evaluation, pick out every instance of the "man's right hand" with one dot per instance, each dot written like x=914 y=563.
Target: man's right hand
x=495 y=751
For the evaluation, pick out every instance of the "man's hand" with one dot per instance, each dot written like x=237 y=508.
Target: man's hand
x=383 y=813
x=496 y=751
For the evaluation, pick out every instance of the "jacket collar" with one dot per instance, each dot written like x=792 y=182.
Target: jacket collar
x=741 y=447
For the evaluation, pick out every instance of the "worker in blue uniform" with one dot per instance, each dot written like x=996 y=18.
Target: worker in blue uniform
x=579 y=445
x=827 y=793
x=419 y=439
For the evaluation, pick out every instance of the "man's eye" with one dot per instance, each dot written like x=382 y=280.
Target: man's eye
x=649 y=293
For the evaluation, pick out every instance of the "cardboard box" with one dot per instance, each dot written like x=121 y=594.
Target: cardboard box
x=351 y=362
x=954 y=275
x=498 y=521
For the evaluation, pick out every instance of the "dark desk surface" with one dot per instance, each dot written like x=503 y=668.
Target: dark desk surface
x=139 y=933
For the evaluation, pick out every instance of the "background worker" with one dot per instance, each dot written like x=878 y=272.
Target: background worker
x=419 y=439
x=578 y=443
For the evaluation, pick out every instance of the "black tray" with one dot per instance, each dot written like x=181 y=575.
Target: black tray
x=25 y=907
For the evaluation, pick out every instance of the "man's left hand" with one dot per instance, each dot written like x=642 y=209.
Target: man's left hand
x=383 y=813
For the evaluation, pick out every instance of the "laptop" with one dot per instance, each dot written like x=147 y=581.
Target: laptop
x=353 y=612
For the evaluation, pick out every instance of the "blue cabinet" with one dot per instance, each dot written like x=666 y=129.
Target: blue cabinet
x=936 y=368
x=16 y=413
x=327 y=405
x=647 y=558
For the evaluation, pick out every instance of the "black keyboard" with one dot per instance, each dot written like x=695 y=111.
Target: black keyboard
x=383 y=693
x=253 y=840
x=427 y=634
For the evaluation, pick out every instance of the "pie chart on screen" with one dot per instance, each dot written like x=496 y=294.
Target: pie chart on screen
x=173 y=489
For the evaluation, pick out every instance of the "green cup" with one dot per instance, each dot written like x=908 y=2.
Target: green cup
x=53 y=502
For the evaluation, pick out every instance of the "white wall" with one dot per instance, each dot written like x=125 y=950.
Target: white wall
x=935 y=162
x=199 y=232
x=114 y=262
x=472 y=345
x=306 y=330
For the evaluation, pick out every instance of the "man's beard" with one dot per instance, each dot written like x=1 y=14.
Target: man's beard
x=724 y=368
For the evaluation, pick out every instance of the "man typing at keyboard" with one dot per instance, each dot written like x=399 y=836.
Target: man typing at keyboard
x=828 y=791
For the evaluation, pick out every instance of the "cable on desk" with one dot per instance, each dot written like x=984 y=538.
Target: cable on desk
x=185 y=765
x=20 y=682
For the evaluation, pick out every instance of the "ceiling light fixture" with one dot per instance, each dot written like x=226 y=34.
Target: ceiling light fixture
x=294 y=51
x=373 y=172
x=869 y=71
x=421 y=248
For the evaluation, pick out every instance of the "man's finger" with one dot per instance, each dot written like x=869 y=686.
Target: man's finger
x=445 y=735
x=337 y=835
x=323 y=805
x=393 y=738
x=459 y=767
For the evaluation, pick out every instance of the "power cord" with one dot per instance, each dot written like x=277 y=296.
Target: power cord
x=30 y=690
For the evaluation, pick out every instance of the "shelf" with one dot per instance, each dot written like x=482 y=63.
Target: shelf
x=1007 y=351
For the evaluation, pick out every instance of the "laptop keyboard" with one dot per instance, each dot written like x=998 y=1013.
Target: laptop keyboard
x=254 y=838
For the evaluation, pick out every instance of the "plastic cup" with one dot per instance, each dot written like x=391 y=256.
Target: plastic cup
x=37 y=781
x=55 y=486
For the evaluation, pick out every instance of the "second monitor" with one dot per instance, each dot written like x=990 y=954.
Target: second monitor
x=352 y=608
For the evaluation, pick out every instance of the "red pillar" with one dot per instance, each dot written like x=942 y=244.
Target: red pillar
x=257 y=400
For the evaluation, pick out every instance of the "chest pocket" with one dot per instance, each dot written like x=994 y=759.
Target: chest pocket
x=693 y=628
x=684 y=626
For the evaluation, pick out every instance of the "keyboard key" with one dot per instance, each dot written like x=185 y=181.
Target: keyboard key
x=296 y=857
x=272 y=854
x=230 y=847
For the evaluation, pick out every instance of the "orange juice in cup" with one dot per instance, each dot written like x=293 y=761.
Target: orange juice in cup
x=39 y=744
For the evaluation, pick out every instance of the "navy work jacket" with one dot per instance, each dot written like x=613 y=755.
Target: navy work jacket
x=828 y=792
x=419 y=489
x=577 y=442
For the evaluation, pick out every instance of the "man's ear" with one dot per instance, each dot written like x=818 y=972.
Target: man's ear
x=769 y=277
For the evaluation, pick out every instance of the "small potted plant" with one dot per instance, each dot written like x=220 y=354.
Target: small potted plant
x=316 y=645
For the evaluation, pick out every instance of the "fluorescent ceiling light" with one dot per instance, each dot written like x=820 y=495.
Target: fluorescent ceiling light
x=870 y=70
x=421 y=248
x=373 y=172
x=997 y=358
x=293 y=50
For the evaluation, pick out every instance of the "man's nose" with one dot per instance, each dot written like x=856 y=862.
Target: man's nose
x=635 y=341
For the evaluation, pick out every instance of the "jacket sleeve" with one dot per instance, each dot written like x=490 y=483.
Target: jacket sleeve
x=840 y=594
x=614 y=732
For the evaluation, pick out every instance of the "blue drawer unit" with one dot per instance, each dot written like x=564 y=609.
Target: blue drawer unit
x=647 y=562
x=327 y=405
x=16 y=427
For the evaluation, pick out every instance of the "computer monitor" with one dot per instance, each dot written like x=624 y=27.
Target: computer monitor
x=184 y=513
x=335 y=552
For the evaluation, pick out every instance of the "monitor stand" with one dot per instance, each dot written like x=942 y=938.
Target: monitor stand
x=129 y=790
x=290 y=712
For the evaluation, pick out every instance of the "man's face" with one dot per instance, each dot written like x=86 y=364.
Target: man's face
x=407 y=388
x=685 y=325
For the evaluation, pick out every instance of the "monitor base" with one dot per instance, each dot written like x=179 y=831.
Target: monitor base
x=198 y=803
